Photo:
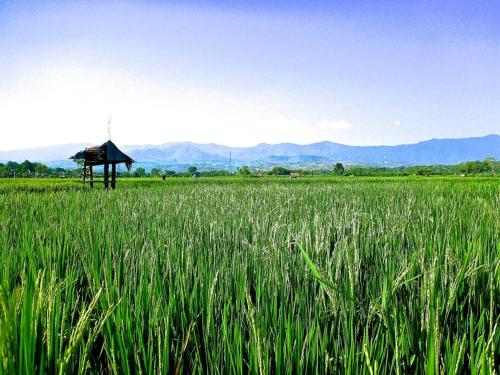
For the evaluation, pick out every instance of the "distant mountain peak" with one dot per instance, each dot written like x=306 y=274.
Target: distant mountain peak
x=432 y=151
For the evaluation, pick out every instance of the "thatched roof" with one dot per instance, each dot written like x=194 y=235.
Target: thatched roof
x=105 y=153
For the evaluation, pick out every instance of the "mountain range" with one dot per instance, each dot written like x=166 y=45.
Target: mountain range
x=433 y=151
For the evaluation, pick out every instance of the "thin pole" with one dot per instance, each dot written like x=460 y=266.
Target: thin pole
x=106 y=175
x=91 y=174
x=113 y=176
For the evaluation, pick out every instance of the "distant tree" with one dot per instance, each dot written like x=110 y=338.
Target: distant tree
x=12 y=166
x=169 y=173
x=244 y=171
x=215 y=173
x=156 y=172
x=4 y=172
x=59 y=172
x=338 y=169
x=192 y=170
x=357 y=171
x=279 y=171
x=474 y=167
x=493 y=165
x=140 y=172
x=41 y=169
x=26 y=167
x=421 y=171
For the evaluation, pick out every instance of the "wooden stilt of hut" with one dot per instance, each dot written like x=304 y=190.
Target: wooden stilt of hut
x=106 y=154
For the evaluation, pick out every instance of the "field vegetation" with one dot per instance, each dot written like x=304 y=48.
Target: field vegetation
x=487 y=167
x=235 y=275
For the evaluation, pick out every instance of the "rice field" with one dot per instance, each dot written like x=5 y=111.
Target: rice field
x=259 y=276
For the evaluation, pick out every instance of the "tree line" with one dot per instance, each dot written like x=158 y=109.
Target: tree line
x=487 y=167
x=28 y=169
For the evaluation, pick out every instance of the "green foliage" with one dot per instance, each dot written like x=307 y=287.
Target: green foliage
x=12 y=166
x=4 y=171
x=355 y=171
x=279 y=171
x=234 y=275
x=156 y=172
x=26 y=167
x=488 y=167
x=140 y=172
x=214 y=173
x=338 y=169
x=41 y=169
x=479 y=167
x=244 y=171
x=420 y=171
x=169 y=173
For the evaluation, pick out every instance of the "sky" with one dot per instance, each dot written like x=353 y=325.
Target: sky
x=353 y=72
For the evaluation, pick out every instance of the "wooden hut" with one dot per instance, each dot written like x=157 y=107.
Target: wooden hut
x=106 y=154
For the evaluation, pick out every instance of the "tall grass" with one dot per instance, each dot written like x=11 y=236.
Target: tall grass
x=238 y=276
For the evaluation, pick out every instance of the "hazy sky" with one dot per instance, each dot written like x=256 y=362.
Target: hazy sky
x=355 y=72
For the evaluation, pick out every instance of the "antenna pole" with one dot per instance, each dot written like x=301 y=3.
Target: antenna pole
x=109 y=129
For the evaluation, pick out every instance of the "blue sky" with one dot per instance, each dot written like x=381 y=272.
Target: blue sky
x=355 y=72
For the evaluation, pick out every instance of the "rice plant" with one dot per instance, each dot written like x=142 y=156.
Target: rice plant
x=231 y=275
